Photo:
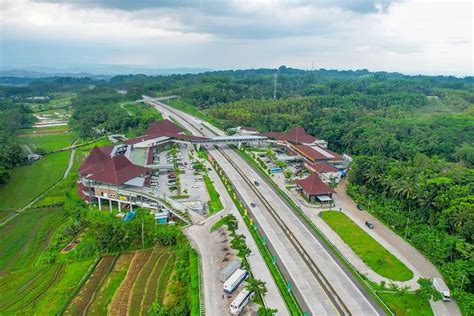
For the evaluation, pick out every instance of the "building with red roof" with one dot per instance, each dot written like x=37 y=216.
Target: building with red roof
x=327 y=172
x=297 y=135
x=315 y=190
x=119 y=170
x=94 y=162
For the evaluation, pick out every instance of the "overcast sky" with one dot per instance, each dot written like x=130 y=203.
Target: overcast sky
x=428 y=37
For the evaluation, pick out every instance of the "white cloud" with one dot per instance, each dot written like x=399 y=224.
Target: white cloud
x=432 y=37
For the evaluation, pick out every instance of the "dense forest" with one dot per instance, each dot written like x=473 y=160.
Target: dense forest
x=411 y=138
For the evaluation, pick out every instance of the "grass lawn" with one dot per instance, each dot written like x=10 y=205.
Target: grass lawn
x=367 y=248
x=24 y=238
x=47 y=142
x=407 y=304
x=27 y=182
x=215 y=204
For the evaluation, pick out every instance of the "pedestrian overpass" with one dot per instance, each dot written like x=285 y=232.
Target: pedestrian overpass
x=238 y=140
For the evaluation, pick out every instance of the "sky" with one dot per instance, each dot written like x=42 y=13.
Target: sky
x=412 y=37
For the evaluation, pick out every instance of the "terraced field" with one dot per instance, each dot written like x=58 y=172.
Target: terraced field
x=110 y=285
x=126 y=285
x=20 y=289
x=81 y=303
x=26 y=236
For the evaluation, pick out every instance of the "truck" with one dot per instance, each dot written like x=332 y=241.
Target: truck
x=441 y=287
x=229 y=270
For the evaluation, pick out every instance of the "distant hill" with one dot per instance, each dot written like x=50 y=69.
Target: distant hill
x=92 y=71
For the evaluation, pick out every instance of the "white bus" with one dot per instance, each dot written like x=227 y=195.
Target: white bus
x=234 y=280
x=240 y=302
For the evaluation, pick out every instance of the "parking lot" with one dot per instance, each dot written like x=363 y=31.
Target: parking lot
x=165 y=184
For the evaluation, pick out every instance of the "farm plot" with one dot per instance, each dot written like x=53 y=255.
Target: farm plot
x=148 y=285
x=144 y=291
x=82 y=301
x=110 y=285
x=47 y=142
x=27 y=182
x=58 y=295
x=24 y=238
x=119 y=305
x=20 y=289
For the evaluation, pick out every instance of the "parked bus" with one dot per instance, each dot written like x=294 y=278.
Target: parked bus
x=240 y=302
x=234 y=280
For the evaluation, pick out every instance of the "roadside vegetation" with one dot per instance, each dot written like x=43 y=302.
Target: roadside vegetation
x=370 y=251
x=215 y=204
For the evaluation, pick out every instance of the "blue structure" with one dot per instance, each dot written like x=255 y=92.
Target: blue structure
x=162 y=217
x=129 y=216
x=276 y=170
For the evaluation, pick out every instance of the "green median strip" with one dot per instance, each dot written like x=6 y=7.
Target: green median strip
x=215 y=204
x=368 y=249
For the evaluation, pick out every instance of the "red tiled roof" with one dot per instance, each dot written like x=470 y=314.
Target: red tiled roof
x=273 y=135
x=297 y=135
x=94 y=162
x=163 y=128
x=311 y=153
x=106 y=149
x=118 y=170
x=322 y=167
x=313 y=185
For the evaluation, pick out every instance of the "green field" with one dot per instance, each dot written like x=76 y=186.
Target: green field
x=58 y=294
x=27 y=182
x=47 y=142
x=215 y=204
x=369 y=250
x=407 y=304
x=26 y=236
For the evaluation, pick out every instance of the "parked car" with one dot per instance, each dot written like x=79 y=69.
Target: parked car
x=369 y=224
x=360 y=207
x=253 y=204
x=256 y=183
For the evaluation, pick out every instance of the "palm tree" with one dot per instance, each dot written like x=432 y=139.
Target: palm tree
x=266 y=311
x=257 y=286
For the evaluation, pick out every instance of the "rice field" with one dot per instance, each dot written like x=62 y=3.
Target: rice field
x=125 y=285
x=27 y=182
x=47 y=142
x=26 y=236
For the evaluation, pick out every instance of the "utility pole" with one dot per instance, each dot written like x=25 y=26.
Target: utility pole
x=275 y=75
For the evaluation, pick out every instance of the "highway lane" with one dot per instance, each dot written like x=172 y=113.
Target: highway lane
x=259 y=269
x=352 y=295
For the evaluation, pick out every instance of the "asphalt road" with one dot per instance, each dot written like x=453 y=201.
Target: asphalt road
x=306 y=283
